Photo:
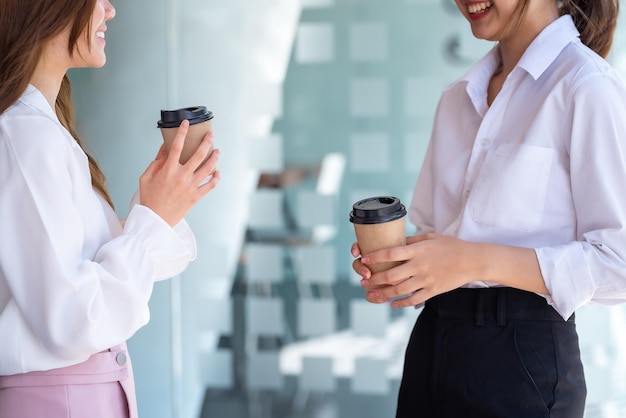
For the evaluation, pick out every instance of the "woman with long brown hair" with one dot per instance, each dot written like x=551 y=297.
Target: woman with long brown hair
x=520 y=217
x=75 y=281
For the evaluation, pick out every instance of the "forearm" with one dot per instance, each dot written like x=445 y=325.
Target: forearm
x=511 y=266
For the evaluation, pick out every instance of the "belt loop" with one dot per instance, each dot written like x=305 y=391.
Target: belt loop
x=501 y=307
x=480 y=309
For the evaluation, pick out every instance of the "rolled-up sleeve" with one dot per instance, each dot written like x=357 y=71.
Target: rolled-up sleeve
x=593 y=268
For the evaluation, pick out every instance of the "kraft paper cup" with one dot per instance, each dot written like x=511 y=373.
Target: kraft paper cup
x=200 y=122
x=378 y=224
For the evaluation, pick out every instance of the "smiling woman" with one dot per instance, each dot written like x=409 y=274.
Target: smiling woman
x=524 y=229
x=65 y=318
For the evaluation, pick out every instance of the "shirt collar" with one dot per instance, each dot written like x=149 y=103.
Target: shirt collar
x=539 y=55
x=547 y=46
x=542 y=52
x=34 y=99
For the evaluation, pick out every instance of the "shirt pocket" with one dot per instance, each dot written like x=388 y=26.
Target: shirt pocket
x=510 y=191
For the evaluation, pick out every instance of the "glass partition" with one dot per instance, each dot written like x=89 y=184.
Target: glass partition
x=317 y=103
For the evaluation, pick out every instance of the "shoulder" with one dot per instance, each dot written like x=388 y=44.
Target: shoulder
x=583 y=68
x=23 y=124
x=27 y=134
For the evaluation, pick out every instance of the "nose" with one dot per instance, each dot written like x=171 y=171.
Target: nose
x=109 y=10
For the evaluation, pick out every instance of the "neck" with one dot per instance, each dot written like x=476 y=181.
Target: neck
x=48 y=77
x=49 y=88
x=512 y=47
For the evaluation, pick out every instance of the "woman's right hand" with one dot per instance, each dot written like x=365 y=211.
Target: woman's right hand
x=171 y=189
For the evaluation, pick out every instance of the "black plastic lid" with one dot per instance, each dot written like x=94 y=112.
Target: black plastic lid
x=376 y=210
x=173 y=118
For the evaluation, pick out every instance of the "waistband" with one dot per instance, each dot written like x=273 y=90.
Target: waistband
x=494 y=305
x=107 y=366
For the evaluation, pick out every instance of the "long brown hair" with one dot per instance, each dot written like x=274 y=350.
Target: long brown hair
x=26 y=27
x=596 y=21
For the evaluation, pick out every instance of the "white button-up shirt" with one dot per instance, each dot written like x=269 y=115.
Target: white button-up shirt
x=73 y=280
x=543 y=167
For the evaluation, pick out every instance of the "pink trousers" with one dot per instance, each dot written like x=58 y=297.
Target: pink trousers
x=101 y=387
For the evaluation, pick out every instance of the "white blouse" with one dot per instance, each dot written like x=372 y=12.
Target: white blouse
x=543 y=167
x=73 y=280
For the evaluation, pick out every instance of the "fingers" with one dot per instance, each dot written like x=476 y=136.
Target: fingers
x=355 y=250
x=211 y=184
x=200 y=154
x=408 y=293
x=176 y=148
x=405 y=301
x=152 y=168
x=162 y=154
x=401 y=253
x=208 y=167
x=412 y=299
x=412 y=239
x=361 y=269
x=382 y=294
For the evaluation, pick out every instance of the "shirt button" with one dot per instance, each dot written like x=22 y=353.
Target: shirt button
x=466 y=193
x=121 y=359
x=485 y=142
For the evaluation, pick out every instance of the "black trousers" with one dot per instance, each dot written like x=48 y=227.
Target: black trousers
x=487 y=353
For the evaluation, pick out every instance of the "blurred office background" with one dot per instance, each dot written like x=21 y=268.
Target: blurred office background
x=317 y=103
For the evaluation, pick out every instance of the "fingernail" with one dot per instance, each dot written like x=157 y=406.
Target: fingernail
x=365 y=283
x=374 y=295
x=365 y=260
x=395 y=305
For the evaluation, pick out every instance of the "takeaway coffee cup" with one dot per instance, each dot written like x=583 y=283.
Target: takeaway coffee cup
x=200 y=122
x=379 y=223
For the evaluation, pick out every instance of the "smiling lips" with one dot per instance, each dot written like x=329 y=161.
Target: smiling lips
x=477 y=8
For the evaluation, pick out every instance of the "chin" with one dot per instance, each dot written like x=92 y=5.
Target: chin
x=98 y=63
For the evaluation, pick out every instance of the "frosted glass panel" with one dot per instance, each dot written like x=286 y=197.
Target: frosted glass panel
x=424 y=2
x=218 y=315
x=415 y=145
x=317 y=375
x=316 y=3
x=316 y=264
x=263 y=371
x=368 y=318
x=316 y=317
x=369 y=97
x=369 y=152
x=421 y=95
x=355 y=279
x=603 y=351
x=315 y=209
x=266 y=100
x=217 y=369
x=264 y=316
x=265 y=263
x=370 y=377
x=266 y=154
x=266 y=209
x=315 y=43
x=368 y=41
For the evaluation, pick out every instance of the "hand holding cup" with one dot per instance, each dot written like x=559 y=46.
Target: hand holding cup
x=378 y=224
x=200 y=123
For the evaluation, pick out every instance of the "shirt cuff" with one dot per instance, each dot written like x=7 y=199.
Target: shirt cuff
x=567 y=277
x=171 y=249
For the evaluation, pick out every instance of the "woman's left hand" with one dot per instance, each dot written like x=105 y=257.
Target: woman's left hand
x=432 y=264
